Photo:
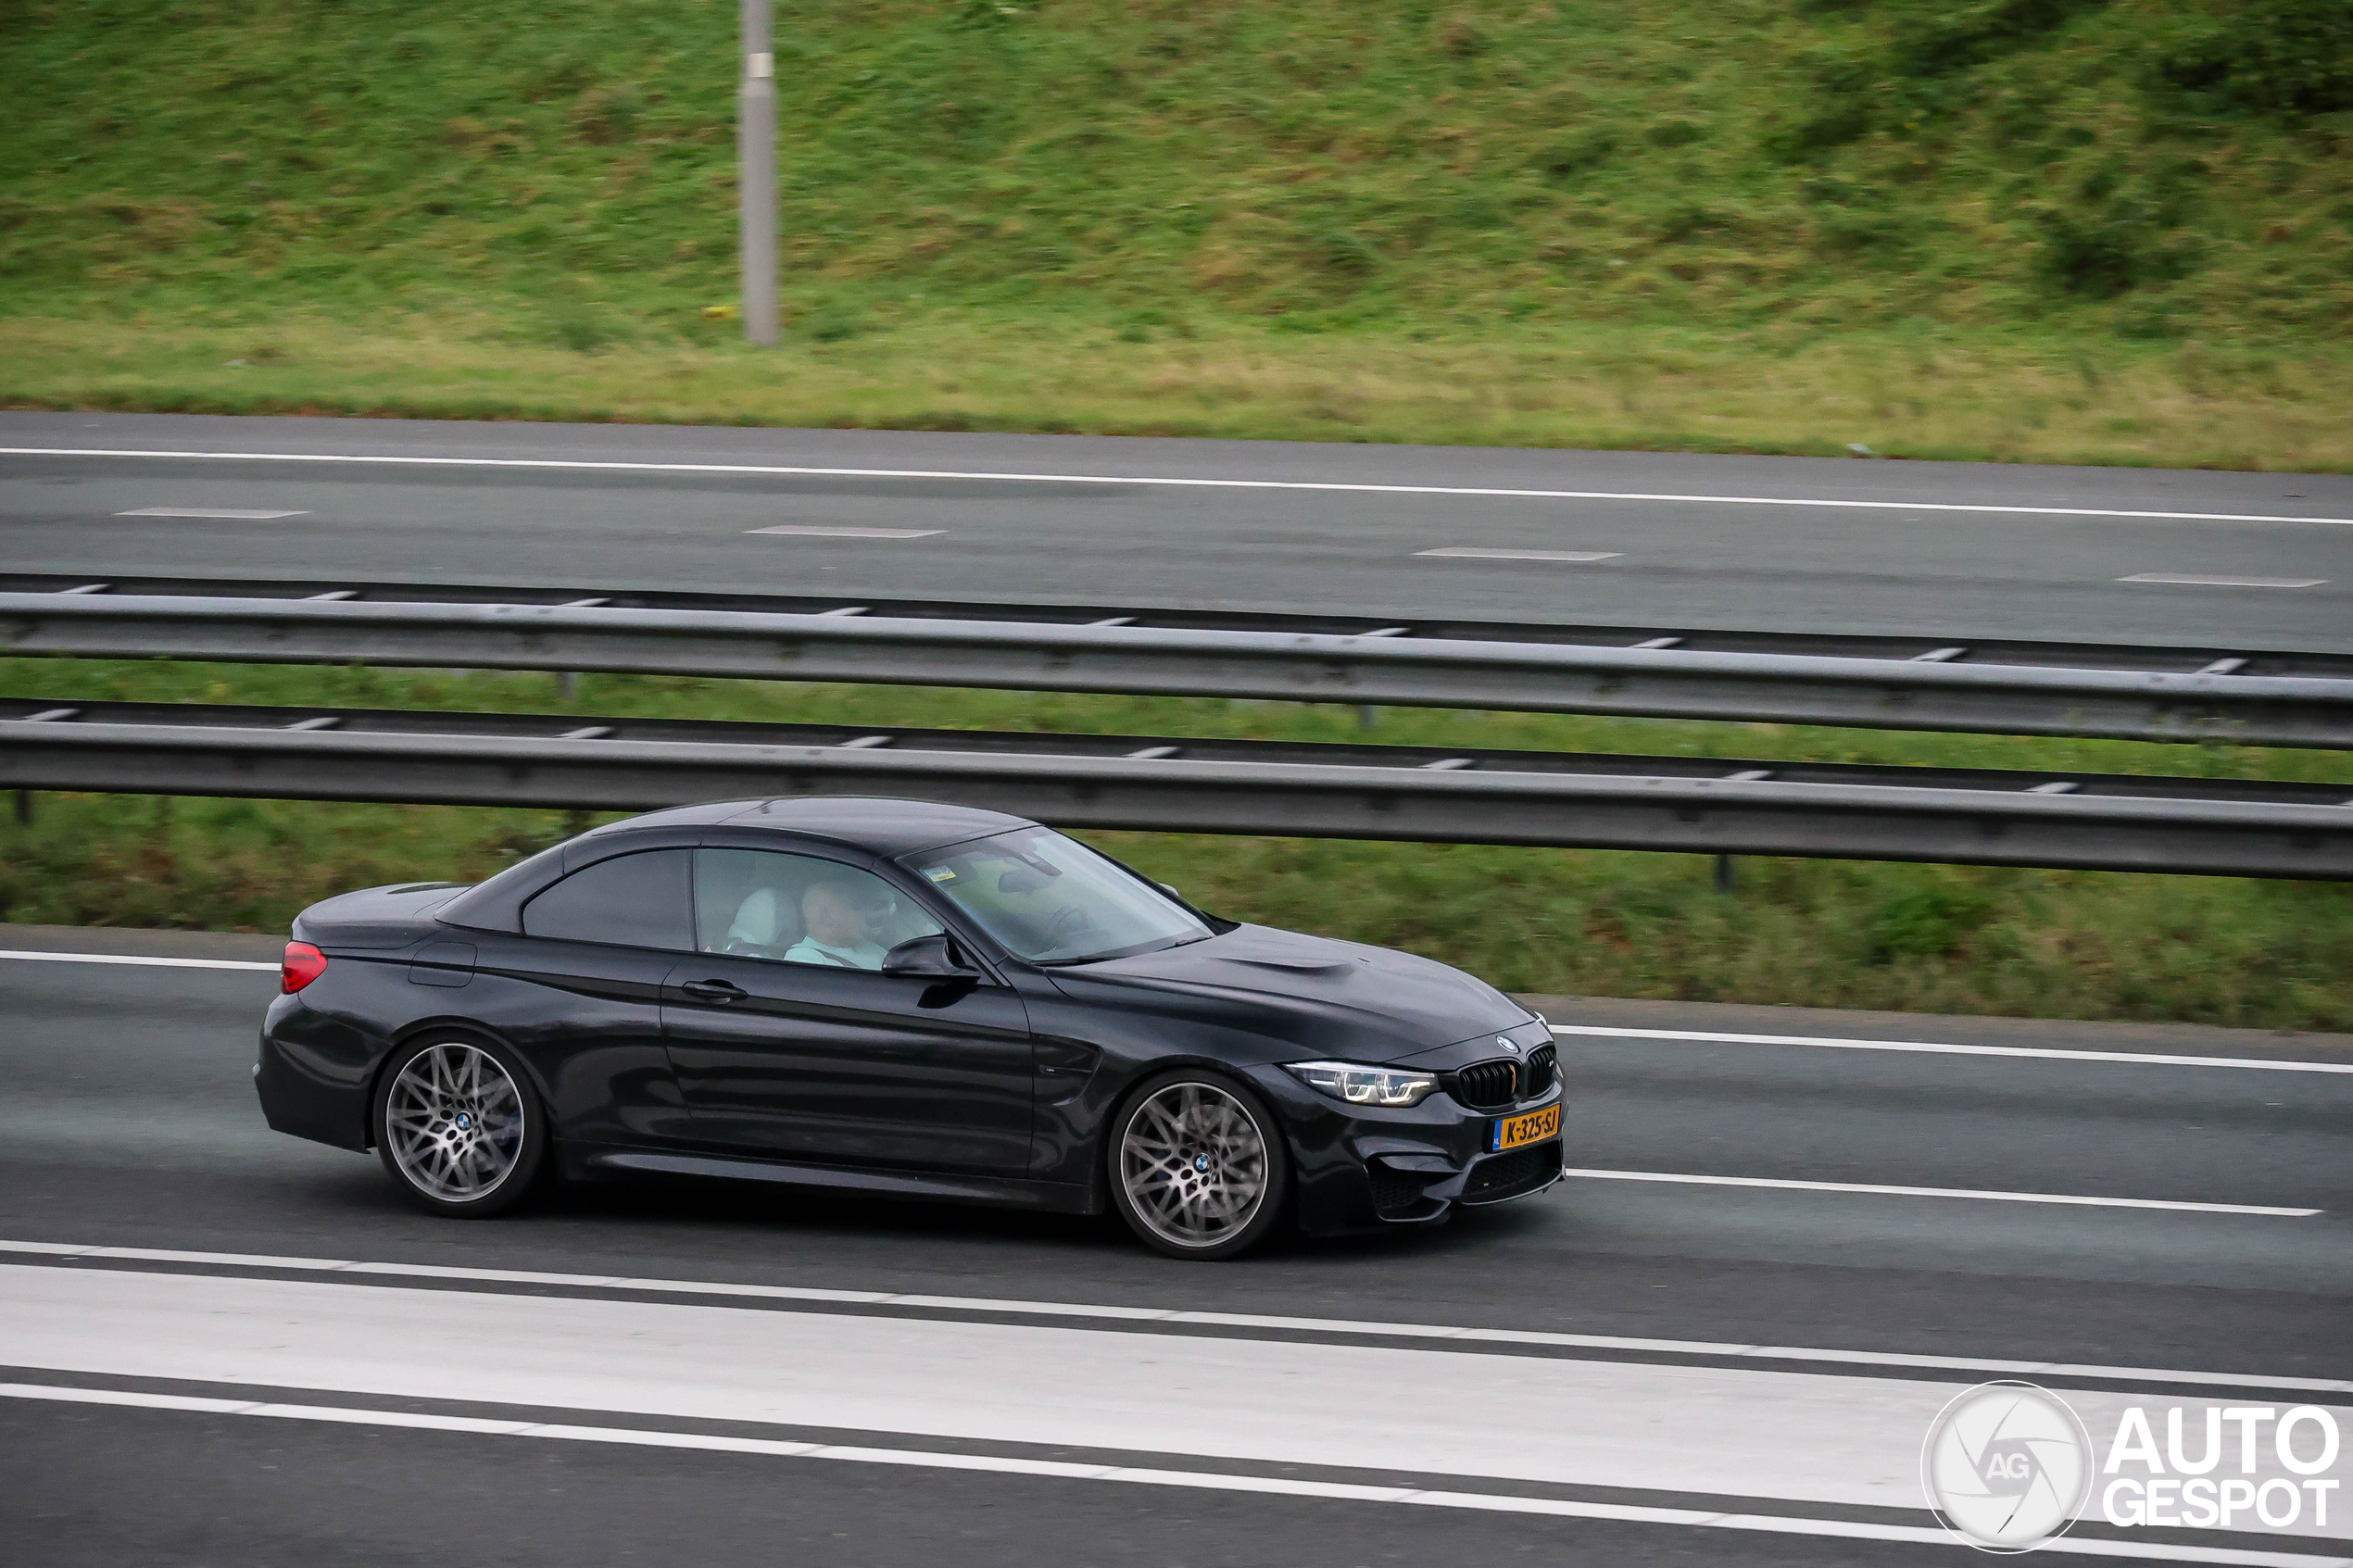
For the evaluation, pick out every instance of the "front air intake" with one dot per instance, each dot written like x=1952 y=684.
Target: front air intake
x=1396 y=1194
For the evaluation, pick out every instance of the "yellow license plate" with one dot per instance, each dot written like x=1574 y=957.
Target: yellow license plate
x=1534 y=1127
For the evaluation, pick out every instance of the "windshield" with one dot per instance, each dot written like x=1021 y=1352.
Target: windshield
x=1051 y=899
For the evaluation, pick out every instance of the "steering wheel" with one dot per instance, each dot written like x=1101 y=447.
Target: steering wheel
x=1067 y=922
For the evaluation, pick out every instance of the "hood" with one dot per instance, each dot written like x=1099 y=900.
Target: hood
x=375 y=917
x=1323 y=997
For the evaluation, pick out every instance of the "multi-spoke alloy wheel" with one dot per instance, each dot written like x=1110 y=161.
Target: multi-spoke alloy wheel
x=1197 y=1172
x=457 y=1128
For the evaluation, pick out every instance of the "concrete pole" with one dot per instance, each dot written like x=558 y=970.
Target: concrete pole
x=756 y=174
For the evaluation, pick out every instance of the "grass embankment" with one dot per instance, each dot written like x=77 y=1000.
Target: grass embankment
x=2042 y=229
x=1833 y=934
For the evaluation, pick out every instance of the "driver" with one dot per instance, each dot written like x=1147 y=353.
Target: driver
x=835 y=914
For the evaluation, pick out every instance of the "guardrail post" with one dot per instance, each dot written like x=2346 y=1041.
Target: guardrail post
x=1727 y=875
x=756 y=174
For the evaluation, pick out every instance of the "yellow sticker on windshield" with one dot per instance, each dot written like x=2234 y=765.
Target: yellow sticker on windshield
x=941 y=874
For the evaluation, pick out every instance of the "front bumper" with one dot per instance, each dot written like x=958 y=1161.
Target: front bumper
x=1362 y=1167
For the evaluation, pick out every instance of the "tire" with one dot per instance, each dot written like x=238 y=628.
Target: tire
x=458 y=1128
x=1197 y=1166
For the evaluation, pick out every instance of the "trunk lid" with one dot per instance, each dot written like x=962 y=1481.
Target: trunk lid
x=375 y=918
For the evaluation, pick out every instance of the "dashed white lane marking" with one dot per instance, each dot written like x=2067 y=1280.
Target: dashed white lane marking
x=231 y=513
x=1338 y=1330
x=2048 y=1053
x=2194 y=580
x=1348 y=489
x=1705 y=1036
x=816 y=532
x=1068 y=1470
x=140 y=960
x=1471 y=552
x=1877 y=1190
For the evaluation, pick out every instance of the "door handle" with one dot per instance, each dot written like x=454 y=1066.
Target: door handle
x=714 y=991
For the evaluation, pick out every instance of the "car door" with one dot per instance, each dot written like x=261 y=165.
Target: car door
x=789 y=1042
x=578 y=991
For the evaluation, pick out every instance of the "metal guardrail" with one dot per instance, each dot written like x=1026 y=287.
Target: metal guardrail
x=2039 y=653
x=1938 y=689
x=2097 y=822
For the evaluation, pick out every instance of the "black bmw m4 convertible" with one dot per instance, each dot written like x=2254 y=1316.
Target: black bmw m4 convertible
x=897 y=997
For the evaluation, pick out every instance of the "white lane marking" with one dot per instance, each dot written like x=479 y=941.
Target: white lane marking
x=230 y=513
x=1336 y=1329
x=1707 y=1036
x=2048 y=1053
x=1563 y=1508
x=129 y=958
x=1720 y=1430
x=852 y=532
x=2192 y=579
x=1877 y=1189
x=1470 y=552
x=1498 y=492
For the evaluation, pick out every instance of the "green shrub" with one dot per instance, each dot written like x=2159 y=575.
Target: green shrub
x=1573 y=155
x=1939 y=39
x=834 y=324
x=2287 y=58
x=2103 y=248
x=1929 y=922
x=1346 y=251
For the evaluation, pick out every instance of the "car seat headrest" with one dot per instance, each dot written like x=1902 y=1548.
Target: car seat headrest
x=759 y=919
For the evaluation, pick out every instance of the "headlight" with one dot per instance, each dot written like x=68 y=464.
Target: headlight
x=1362 y=1085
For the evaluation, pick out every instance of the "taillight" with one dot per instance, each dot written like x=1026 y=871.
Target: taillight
x=302 y=964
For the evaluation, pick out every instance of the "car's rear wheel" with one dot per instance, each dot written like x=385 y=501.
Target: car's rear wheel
x=458 y=1128
x=1197 y=1166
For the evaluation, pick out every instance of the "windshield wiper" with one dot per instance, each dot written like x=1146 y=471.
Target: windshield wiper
x=1135 y=952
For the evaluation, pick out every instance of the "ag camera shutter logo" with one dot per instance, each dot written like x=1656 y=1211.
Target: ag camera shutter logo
x=2007 y=1466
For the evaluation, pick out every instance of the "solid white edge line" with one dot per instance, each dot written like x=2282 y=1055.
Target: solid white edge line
x=817 y=533
x=2047 y=1053
x=1134 y=1476
x=1472 y=552
x=1332 y=1328
x=788 y=470
x=1703 y=1037
x=1877 y=1190
x=219 y=514
x=2191 y=580
x=136 y=960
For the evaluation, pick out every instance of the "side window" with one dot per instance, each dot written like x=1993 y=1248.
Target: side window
x=797 y=908
x=638 y=900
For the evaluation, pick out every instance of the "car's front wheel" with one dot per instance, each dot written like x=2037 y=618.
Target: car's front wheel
x=1197 y=1166
x=458 y=1128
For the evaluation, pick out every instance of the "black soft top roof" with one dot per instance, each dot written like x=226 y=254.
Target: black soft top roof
x=882 y=825
x=878 y=825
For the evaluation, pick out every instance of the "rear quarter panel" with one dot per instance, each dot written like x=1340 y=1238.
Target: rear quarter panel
x=589 y=1035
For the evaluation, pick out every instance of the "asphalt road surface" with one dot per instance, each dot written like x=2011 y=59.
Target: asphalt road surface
x=2260 y=561
x=217 y=1343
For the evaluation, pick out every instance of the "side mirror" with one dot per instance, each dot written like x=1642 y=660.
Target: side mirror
x=928 y=958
